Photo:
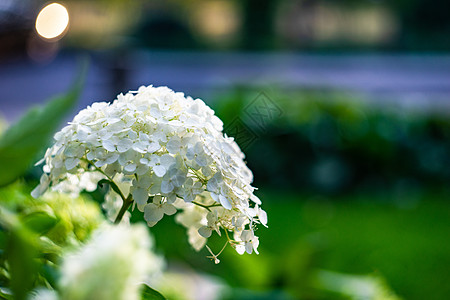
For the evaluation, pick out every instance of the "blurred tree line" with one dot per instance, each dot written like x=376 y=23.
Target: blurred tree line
x=334 y=143
x=419 y=25
x=425 y=24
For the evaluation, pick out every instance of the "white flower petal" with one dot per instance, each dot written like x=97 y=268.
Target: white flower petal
x=166 y=187
x=71 y=162
x=240 y=249
x=248 y=248
x=111 y=158
x=153 y=147
x=130 y=167
x=173 y=146
x=140 y=146
x=171 y=198
x=153 y=213
x=167 y=160
x=159 y=171
x=169 y=209
x=205 y=231
x=225 y=202
x=124 y=145
x=140 y=196
x=109 y=145
x=201 y=160
x=263 y=217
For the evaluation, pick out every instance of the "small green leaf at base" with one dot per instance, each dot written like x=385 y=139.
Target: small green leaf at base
x=39 y=222
x=150 y=294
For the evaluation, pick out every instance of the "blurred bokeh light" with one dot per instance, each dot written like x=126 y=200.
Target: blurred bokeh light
x=52 y=21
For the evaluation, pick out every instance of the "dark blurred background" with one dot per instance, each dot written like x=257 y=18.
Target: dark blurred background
x=391 y=50
x=342 y=108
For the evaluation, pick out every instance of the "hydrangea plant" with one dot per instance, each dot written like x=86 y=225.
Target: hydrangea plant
x=163 y=153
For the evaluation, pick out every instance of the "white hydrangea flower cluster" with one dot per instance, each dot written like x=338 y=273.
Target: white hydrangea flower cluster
x=169 y=153
x=112 y=265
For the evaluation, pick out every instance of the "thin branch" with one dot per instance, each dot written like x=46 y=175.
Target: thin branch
x=111 y=181
x=206 y=206
x=199 y=176
x=123 y=209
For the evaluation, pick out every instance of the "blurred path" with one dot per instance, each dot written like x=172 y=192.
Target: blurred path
x=412 y=80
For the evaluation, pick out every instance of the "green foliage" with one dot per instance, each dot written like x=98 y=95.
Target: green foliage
x=20 y=254
x=62 y=219
x=150 y=294
x=336 y=143
x=35 y=232
x=6 y=294
x=39 y=222
x=362 y=235
x=354 y=286
x=23 y=141
x=399 y=241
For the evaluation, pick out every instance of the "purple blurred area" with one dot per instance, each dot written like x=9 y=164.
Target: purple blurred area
x=410 y=80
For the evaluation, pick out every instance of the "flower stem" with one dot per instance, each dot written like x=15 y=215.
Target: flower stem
x=126 y=204
x=199 y=176
x=205 y=206
x=111 y=181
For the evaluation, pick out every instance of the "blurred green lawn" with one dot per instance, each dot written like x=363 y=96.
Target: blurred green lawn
x=407 y=246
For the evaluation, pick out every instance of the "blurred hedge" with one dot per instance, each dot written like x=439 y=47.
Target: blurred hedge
x=334 y=142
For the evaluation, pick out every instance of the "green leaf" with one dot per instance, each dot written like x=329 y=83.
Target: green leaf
x=5 y=293
x=150 y=294
x=39 y=222
x=51 y=274
x=353 y=286
x=21 y=254
x=24 y=140
x=3 y=239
